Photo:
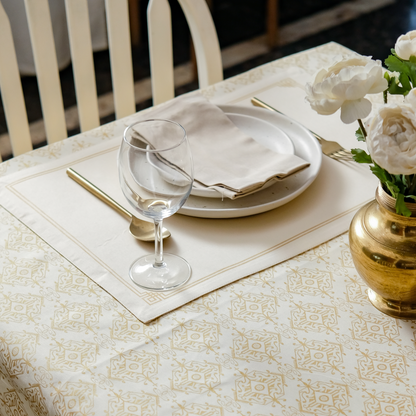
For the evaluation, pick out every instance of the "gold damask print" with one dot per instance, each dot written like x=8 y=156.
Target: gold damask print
x=318 y=254
x=379 y=328
x=17 y=349
x=256 y=346
x=4 y=166
x=20 y=308
x=309 y=282
x=196 y=336
x=259 y=279
x=195 y=376
x=382 y=367
x=36 y=400
x=194 y=409
x=386 y=403
x=77 y=317
x=357 y=291
x=24 y=272
x=134 y=366
x=12 y=404
x=133 y=404
x=74 y=398
x=253 y=307
x=313 y=317
x=127 y=328
x=74 y=356
x=71 y=280
x=24 y=240
x=346 y=258
x=320 y=398
x=204 y=304
x=319 y=356
x=259 y=387
x=43 y=377
x=290 y=83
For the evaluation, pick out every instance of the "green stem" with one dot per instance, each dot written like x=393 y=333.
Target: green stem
x=363 y=131
x=385 y=96
x=391 y=190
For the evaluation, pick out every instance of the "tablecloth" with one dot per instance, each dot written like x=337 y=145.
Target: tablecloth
x=299 y=338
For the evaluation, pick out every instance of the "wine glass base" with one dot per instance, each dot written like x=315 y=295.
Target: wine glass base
x=175 y=272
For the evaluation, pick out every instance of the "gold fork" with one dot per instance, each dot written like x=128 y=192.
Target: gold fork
x=329 y=148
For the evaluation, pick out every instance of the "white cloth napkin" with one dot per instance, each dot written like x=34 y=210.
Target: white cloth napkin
x=225 y=158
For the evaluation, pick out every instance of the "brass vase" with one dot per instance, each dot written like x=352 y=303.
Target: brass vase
x=383 y=248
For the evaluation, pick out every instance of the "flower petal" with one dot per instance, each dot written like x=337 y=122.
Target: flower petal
x=391 y=139
x=354 y=110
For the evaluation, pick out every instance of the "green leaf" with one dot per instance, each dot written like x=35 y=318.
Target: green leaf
x=404 y=80
x=401 y=207
x=393 y=188
x=394 y=64
x=381 y=174
x=404 y=67
x=411 y=196
x=359 y=135
x=361 y=156
x=412 y=59
x=412 y=71
x=396 y=89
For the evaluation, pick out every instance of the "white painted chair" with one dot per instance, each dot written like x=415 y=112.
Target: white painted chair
x=41 y=35
x=204 y=36
x=11 y=90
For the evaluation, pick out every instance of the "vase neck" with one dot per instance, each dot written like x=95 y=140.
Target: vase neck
x=389 y=203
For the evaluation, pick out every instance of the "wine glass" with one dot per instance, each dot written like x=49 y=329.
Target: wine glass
x=156 y=176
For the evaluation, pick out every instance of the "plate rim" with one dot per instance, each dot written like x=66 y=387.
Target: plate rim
x=231 y=212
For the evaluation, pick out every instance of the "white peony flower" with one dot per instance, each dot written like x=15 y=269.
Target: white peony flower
x=411 y=98
x=344 y=85
x=406 y=45
x=391 y=139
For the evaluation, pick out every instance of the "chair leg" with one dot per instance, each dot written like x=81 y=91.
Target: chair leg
x=272 y=22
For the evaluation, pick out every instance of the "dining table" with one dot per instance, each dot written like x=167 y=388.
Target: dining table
x=275 y=319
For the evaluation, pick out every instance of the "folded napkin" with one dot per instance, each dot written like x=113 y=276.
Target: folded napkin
x=225 y=158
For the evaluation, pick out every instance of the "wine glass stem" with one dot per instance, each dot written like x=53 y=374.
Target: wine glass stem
x=158 y=244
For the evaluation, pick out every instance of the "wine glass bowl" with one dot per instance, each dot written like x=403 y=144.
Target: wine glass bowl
x=156 y=176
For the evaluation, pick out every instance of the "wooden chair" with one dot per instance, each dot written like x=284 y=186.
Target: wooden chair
x=11 y=90
x=204 y=36
x=40 y=28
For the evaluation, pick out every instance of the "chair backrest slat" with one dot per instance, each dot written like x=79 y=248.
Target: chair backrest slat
x=43 y=45
x=82 y=63
x=159 y=24
x=118 y=29
x=205 y=39
x=11 y=90
x=204 y=36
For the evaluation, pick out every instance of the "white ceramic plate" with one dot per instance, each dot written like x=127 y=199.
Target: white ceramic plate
x=265 y=133
x=280 y=193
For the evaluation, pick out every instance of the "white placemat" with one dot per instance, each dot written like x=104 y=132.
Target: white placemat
x=96 y=239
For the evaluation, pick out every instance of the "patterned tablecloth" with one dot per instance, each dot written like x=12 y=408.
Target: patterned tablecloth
x=297 y=339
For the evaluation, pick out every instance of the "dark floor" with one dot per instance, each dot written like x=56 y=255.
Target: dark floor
x=237 y=20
